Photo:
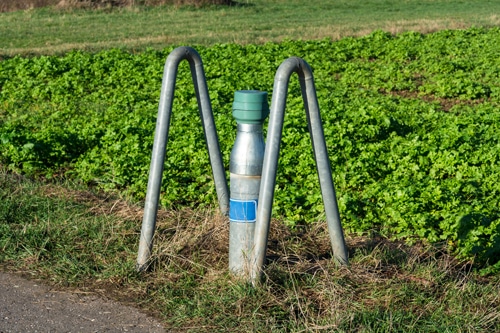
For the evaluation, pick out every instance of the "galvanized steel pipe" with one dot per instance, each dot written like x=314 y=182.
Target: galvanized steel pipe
x=270 y=164
x=160 y=144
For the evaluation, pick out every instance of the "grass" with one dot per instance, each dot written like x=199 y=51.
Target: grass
x=82 y=240
x=74 y=238
x=49 y=30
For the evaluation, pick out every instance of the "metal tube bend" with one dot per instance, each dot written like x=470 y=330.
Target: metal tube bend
x=160 y=144
x=270 y=164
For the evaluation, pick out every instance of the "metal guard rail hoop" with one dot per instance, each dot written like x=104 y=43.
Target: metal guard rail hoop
x=270 y=164
x=160 y=144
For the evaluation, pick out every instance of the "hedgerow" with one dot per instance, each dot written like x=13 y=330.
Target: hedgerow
x=411 y=123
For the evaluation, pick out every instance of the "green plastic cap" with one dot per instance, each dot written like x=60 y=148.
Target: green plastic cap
x=250 y=106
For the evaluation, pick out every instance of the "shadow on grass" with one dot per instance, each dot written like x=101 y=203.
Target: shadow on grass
x=479 y=236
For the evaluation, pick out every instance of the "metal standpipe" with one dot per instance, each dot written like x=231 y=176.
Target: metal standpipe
x=270 y=164
x=160 y=144
x=250 y=109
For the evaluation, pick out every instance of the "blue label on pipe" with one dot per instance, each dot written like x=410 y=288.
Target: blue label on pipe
x=242 y=210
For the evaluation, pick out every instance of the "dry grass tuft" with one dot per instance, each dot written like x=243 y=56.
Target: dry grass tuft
x=191 y=239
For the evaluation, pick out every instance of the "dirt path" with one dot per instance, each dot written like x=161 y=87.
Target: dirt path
x=28 y=306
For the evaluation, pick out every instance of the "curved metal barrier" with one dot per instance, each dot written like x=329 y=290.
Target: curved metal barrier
x=268 y=181
x=160 y=144
x=257 y=252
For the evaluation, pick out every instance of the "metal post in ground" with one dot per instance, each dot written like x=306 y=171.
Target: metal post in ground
x=250 y=109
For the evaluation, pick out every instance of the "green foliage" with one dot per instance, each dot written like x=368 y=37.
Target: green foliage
x=411 y=123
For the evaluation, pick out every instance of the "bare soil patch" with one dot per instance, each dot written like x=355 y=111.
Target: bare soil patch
x=14 y=5
x=445 y=103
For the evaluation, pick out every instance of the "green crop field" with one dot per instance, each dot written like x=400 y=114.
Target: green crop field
x=412 y=127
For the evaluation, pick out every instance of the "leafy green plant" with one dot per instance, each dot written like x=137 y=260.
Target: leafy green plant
x=411 y=123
